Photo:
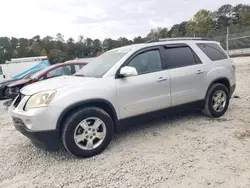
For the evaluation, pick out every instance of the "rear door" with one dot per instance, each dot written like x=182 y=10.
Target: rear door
x=186 y=72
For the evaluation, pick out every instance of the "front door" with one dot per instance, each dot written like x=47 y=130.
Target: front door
x=149 y=90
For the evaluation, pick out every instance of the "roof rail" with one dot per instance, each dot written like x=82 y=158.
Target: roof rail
x=173 y=39
x=153 y=40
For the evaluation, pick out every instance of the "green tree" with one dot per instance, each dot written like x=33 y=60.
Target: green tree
x=59 y=37
x=162 y=32
x=14 y=47
x=108 y=44
x=97 y=47
x=201 y=24
x=174 y=31
x=23 y=47
x=5 y=49
x=35 y=49
x=56 y=56
x=138 y=40
x=245 y=17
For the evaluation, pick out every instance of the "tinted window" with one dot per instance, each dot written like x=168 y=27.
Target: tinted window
x=180 y=57
x=1 y=70
x=213 y=51
x=146 y=62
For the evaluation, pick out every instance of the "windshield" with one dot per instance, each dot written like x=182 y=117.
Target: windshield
x=100 y=65
x=34 y=76
x=29 y=74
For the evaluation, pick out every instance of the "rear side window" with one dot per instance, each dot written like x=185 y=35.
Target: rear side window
x=213 y=51
x=1 y=70
x=181 y=56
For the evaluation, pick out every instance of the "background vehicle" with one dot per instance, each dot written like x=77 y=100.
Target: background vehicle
x=49 y=72
x=5 y=83
x=122 y=85
x=18 y=67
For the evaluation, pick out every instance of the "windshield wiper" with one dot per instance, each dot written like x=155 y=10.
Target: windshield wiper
x=80 y=75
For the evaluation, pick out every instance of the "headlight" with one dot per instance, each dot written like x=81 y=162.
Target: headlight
x=41 y=99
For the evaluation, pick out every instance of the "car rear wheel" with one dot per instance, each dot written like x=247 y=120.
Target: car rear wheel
x=87 y=132
x=217 y=101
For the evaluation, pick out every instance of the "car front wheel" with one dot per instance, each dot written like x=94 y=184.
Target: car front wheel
x=87 y=132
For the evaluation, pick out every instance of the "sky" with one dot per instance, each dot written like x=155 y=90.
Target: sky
x=97 y=18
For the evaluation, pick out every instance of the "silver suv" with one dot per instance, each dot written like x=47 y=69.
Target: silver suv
x=125 y=84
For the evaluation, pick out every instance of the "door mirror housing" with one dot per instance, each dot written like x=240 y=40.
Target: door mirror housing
x=128 y=71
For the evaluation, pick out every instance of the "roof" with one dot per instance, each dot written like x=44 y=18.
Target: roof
x=73 y=63
x=186 y=40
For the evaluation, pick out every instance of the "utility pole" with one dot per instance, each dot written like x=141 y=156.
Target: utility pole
x=227 y=40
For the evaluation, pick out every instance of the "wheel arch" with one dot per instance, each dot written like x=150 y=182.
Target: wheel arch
x=100 y=103
x=223 y=80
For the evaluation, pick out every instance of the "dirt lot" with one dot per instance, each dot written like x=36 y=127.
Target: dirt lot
x=183 y=151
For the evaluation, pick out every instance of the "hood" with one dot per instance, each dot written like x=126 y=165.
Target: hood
x=53 y=84
x=19 y=82
x=8 y=81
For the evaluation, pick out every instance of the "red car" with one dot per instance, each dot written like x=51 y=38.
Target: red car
x=68 y=68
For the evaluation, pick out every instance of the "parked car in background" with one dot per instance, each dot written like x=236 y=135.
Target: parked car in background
x=52 y=71
x=3 y=84
x=138 y=81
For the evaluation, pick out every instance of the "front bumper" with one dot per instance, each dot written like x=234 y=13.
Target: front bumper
x=43 y=139
x=38 y=124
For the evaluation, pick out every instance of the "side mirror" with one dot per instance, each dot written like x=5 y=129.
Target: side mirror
x=128 y=71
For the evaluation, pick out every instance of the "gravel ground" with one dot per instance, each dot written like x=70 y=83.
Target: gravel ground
x=189 y=150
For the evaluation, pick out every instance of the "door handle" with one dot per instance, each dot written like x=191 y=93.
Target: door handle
x=200 y=72
x=161 y=79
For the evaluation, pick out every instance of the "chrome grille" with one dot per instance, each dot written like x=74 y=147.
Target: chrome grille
x=18 y=100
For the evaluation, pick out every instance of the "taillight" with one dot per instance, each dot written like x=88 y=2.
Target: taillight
x=234 y=67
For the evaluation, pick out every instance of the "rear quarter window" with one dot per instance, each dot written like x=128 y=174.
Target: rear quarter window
x=213 y=51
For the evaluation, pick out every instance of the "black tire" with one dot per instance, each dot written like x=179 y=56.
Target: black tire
x=74 y=119
x=208 y=109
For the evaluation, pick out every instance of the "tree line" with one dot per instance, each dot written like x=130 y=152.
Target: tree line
x=204 y=23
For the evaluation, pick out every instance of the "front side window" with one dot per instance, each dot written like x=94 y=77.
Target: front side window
x=67 y=70
x=147 y=62
x=78 y=67
x=180 y=57
x=213 y=51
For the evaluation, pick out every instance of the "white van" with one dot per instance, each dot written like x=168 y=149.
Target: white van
x=19 y=66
